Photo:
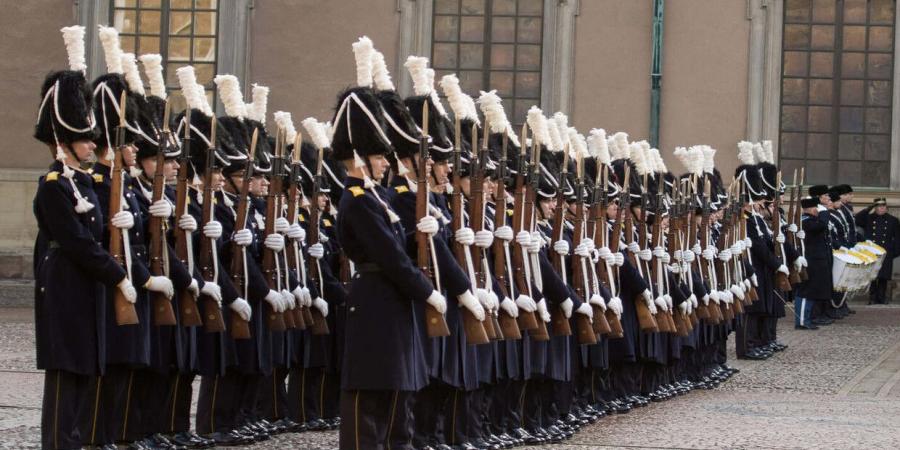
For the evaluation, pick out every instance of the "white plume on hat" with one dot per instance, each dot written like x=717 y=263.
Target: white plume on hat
x=187 y=79
x=416 y=65
x=153 y=69
x=709 y=155
x=598 y=146
x=429 y=77
x=316 y=132
x=768 y=152
x=495 y=115
x=450 y=86
x=380 y=72
x=745 y=152
x=639 y=158
x=578 y=144
x=257 y=109
x=73 y=37
x=109 y=39
x=204 y=101
x=538 y=124
x=230 y=93
x=697 y=159
x=561 y=122
x=284 y=122
x=556 y=143
x=362 y=52
x=657 y=162
x=683 y=157
x=472 y=110
x=132 y=75
x=758 y=152
x=618 y=146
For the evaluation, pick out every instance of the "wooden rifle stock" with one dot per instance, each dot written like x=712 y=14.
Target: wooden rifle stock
x=541 y=333
x=293 y=249
x=646 y=321
x=276 y=321
x=585 y=328
x=126 y=314
x=782 y=281
x=509 y=327
x=190 y=310
x=319 y=324
x=213 y=321
x=163 y=313
x=559 y=324
x=527 y=319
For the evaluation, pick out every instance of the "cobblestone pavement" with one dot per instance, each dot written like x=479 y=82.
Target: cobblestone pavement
x=835 y=388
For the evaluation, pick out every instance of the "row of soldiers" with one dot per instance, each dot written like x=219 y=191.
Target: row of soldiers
x=414 y=280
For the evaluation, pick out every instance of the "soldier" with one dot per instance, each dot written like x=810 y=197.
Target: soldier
x=817 y=288
x=883 y=229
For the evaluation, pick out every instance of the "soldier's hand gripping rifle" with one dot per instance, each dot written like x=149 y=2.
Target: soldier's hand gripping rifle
x=293 y=252
x=184 y=248
x=801 y=241
x=589 y=218
x=657 y=273
x=319 y=324
x=599 y=229
x=209 y=261
x=529 y=214
x=782 y=281
x=715 y=313
x=683 y=324
x=240 y=329
x=584 y=327
x=163 y=313
x=502 y=261
x=559 y=323
x=271 y=266
x=789 y=234
x=646 y=321
x=521 y=271
x=435 y=322
x=126 y=314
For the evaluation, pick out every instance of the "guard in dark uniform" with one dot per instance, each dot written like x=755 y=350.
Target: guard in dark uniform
x=883 y=229
x=817 y=288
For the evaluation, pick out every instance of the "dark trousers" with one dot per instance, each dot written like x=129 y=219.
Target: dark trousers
x=67 y=409
x=313 y=393
x=227 y=401
x=877 y=291
x=376 y=420
x=118 y=414
x=506 y=405
x=273 y=397
x=443 y=415
x=803 y=311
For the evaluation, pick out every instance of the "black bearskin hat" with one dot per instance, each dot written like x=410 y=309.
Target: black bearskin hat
x=359 y=125
x=66 y=108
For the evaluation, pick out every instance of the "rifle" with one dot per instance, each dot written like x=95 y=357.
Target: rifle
x=720 y=267
x=529 y=221
x=502 y=270
x=527 y=320
x=715 y=314
x=209 y=262
x=126 y=314
x=794 y=277
x=781 y=280
x=802 y=247
x=276 y=321
x=646 y=321
x=682 y=321
x=240 y=329
x=656 y=271
x=163 y=313
x=292 y=252
x=559 y=324
x=319 y=324
x=702 y=311
x=184 y=250
x=435 y=322
x=481 y=332
x=600 y=324
x=597 y=224
x=587 y=333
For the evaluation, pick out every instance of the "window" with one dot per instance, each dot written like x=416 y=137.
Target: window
x=492 y=44
x=837 y=90
x=184 y=32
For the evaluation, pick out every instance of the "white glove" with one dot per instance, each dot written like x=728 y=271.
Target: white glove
x=484 y=238
x=482 y=296
x=727 y=297
x=437 y=300
x=562 y=247
x=792 y=228
x=684 y=307
x=316 y=250
x=803 y=261
x=464 y=236
x=298 y=295
x=161 y=208
x=282 y=225
x=780 y=238
x=714 y=296
x=747 y=285
x=542 y=311
x=510 y=307
x=187 y=223
x=648 y=300
x=679 y=256
x=296 y=232
x=658 y=251
x=320 y=304
x=523 y=238
x=620 y=259
x=583 y=249
x=661 y=303
x=801 y=234
x=633 y=247
x=586 y=310
x=605 y=253
x=428 y=225
x=213 y=290
x=289 y=301
x=668 y=299
x=212 y=229
x=504 y=233
x=615 y=304
x=536 y=243
x=622 y=246
x=725 y=254
x=471 y=303
x=493 y=301
x=693 y=301
x=128 y=290
x=305 y=298
x=162 y=285
x=709 y=253
x=706 y=298
x=589 y=243
x=566 y=306
x=754 y=280
x=783 y=269
x=273 y=298
x=696 y=249
x=689 y=256
x=241 y=308
x=275 y=242
x=737 y=291
x=243 y=237
x=122 y=220
x=748 y=243
x=597 y=299
x=645 y=254
x=194 y=288
x=526 y=303
x=736 y=248
x=666 y=258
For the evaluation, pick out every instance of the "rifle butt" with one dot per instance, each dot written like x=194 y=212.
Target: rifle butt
x=307 y=316
x=781 y=280
x=288 y=318
x=274 y=320
x=474 y=328
x=488 y=326
x=163 y=313
x=585 y=330
x=509 y=326
x=702 y=311
x=299 y=321
x=540 y=333
x=752 y=296
x=739 y=306
x=662 y=322
x=319 y=324
x=804 y=275
x=125 y=312
x=615 y=325
x=600 y=325
x=645 y=319
x=728 y=312
x=213 y=321
x=559 y=324
x=190 y=311
x=495 y=323
x=239 y=328
x=435 y=323
x=670 y=319
x=681 y=328
x=794 y=277
x=527 y=321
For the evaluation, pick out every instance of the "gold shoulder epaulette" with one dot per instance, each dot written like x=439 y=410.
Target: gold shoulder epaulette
x=98 y=178
x=401 y=189
x=326 y=222
x=52 y=176
x=356 y=191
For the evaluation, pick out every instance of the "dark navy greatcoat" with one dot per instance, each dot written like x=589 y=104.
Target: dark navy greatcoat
x=71 y=271
x=819 y=257
x=884 y=231
x=382 y=347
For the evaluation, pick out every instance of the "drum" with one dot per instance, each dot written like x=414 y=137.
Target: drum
x=845 y=271
x=877 y=251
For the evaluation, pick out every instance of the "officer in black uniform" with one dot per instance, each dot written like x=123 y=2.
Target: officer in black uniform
x=883 y=229
x=817 y=288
